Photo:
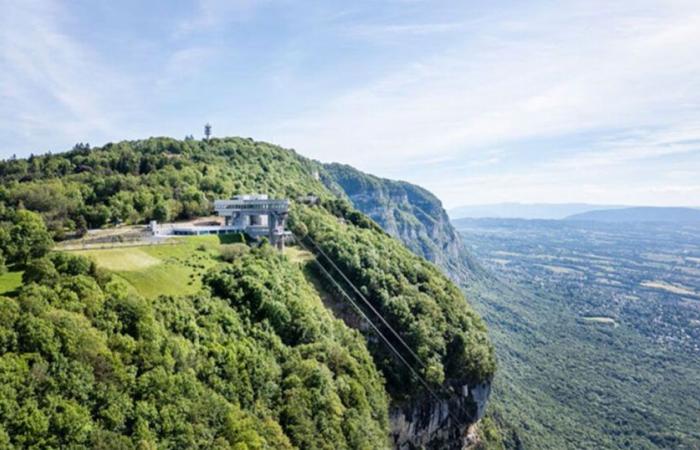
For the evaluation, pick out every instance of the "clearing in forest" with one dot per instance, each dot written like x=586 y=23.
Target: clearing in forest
x=170 y=269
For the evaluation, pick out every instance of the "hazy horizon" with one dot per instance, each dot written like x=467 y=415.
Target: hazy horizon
x=695 y=206
x=549 y=211
x=555 y=102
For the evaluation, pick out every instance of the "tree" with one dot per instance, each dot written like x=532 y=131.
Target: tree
x=161 y=212
x=28 y=238
x=40 y=270
x=3 y=264
x=81 y=226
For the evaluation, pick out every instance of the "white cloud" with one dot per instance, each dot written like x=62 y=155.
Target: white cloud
x=182 y=65
x=615 y=83
x=643 y=145
x=388 y=31
x=215 y=13
x=51 y=84
x=587 y=67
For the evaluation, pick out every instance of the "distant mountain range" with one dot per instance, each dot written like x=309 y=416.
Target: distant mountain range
x=577 y=211
x=640 y=214
x=525 y=210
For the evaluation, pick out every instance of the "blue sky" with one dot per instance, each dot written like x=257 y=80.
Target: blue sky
x=481 y=101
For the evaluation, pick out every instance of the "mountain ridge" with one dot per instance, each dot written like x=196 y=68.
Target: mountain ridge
x=410 y=213
x=640 y=214
x=524 y=210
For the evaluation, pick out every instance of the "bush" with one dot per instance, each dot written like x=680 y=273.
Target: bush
x=231 y=252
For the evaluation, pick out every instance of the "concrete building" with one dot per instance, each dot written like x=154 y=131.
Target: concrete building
x=254 y=214
x=257 y=215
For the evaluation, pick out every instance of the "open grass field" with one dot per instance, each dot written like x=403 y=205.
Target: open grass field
x=155 y=270
x=680 y=290
x=603 y=320
x=123 y=259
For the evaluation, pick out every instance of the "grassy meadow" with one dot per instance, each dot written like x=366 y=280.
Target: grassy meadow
x=169 y=269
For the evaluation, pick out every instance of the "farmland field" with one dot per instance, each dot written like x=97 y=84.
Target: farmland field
x=644 y=275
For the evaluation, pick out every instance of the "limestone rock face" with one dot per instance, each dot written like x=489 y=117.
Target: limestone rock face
x=409 y=213
x=444 y=424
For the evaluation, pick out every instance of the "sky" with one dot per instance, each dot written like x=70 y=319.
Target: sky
x=478 y=101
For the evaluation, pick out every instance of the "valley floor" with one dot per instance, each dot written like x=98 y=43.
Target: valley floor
x=584 y=363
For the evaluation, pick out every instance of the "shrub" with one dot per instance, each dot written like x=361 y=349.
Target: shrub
x=231 y=252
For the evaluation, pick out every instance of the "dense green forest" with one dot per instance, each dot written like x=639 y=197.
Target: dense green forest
x=162 y=179
x=254 y=360
x=257 y=363
x=450 y=339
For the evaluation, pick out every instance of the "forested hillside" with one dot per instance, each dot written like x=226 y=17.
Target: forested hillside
x=161 y=179
x=85 y=362
x=253 y=360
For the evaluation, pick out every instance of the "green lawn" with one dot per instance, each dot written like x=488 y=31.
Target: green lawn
x=176 y=269
x=161 y=269
x=9 y=282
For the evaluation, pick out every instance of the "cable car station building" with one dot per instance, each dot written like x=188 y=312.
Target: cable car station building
x=256 y=215
x=253 y=214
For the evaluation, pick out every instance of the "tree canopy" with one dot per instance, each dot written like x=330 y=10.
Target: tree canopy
x=258 y=363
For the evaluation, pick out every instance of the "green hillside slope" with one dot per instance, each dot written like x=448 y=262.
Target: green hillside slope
x=253 y=359
x=86 y=362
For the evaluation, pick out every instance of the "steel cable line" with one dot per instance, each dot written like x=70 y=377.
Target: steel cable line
x=374 y=327
x=368 y=303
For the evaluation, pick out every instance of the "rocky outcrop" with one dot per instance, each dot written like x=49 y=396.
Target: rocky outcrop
x=444 y=424
x=408 y=212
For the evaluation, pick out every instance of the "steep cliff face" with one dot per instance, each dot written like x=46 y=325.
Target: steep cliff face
x=416 y=217
x=408 y=212
x=439 y=424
